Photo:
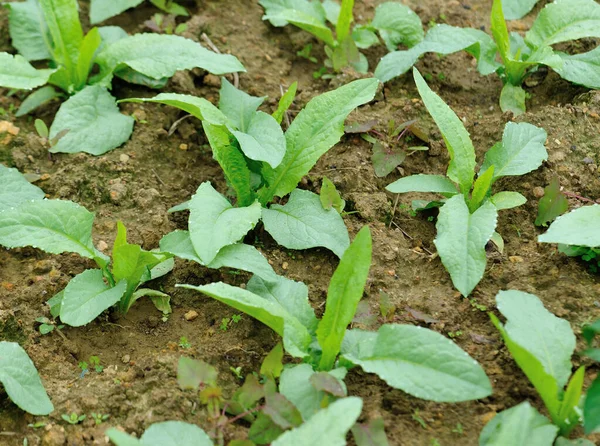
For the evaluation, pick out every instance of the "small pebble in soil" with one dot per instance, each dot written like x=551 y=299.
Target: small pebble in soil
x=183 y=146
x=123 y=157
x=190 y=315
x=102 y=245
x=516 y=259
x=125 y=359
x=285 y=265
x=538 y=192
x=588 y=160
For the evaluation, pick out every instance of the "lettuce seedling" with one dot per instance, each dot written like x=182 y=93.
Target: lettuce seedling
x=542 y=345
x=400 y=354
x=166 y=433
x=591 y=407
x=261 y=162
x=560 y=21
x=21 y=380
x=395 y=23
x=50 y=30
x=468 y=216
x=101 y=10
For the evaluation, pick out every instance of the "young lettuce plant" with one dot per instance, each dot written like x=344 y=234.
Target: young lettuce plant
x=50 y=30
x=591 y=407
x=418 y=361
x=560 y=21
x=468 y=215
x=395 y=23
x=542 y=345
x=101 y=10
x=58 y=226
x=261 y=162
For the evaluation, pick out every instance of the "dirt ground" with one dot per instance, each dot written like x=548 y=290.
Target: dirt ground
x=139 y=181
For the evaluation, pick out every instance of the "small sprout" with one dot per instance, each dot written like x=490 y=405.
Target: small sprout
x=73 y=418
x=99 y=418
x=37 y=424
x=237 y=371
x=95 y=362
x=224 y=324
x=41 y=128
x=236 y=318
x=415 y=416
x=458 y=429
x=184 y=343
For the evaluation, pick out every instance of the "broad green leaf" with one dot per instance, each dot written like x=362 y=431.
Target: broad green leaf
x=332 y=11
x=285 y=102
x=371 y=433
x=159 y=56
x=520 y=151
x=481 y=188
x=330 y=197
x=272 y=365
x=28 y=30
x=315 y=130
x=55 y=303
x=521 y=425
x=461 y=239
x=263 y=139
x=193 y=373
x=17 y=73
x=582 y=69
x=508 y=200
x=291 y=295
x=161 y=301
x=94 y=123
x=296 y=337
x=314 y=9
x=578 y=227
x=500 y=31
x=345 y=291
x=423 y=183
x=238 y=105
x=316 y=27
x=512 y=99
x=552 y=204
x=281 y=410
x=36 y=99
x=54 y=226
x=166 y=433
x=344 y=19
x=591 y=408
x=442 y=39
x=418 y=361
x=303 y=223
x=564 y=20
x=397 y=24
x=170 y=7
x=458 y=142
x=364 y=37
x=246 y=258
x=515 y=9
x=328 y=426
x=100 y=10
x=263 y=430
x=120 y=438
x=386 y=159
x=111 y=34
x=214 y=223
x=86 y=296
x=16 y=189
x=21 y=381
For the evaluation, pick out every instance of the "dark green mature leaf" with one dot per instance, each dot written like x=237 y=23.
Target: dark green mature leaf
x=397 y=24
x=386 y=159
x=345 y=291
x=264 y=430
x=272 y=365
x=552 y=204
x=192 y=373
x=28 y=30
x=582 y=69
x=263 y=139
x=94 y=123
x=578 y=227
x=16 y=72
x=166 y=433
x=423 y=183
x=314 y=9
x=330 y=197
x=313 y=25
x=237 y=105
x=591 y=408
x=282 y=411
x=21 y=381
x=515 y=9
x=101 y=10
x=16 y=190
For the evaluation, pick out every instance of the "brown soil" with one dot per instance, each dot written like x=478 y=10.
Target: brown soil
x=138 y=385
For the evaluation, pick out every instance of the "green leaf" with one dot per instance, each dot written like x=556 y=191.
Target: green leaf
x=315 y=130
x=263 y=139
x=521 y=151
x=36 y=99
x=371 y=433
x=328 y=426
x=481 y=189
x=281 y=410
x=582 y=69
x=508 y=200
x=54 y=226
x=562 y=441
x=364 y=37
x=397 y=24
x=314 y=9
x=552 y=204
x=91 y=42
x=166 y=433
x=565 y=20
x=94 y=122
x=521 y=425
x=303 y=223
x=512 y=99
x=345 y=18
x=458 y=142
x=238 y=105
x=569 y=414
x=170 y=7
x=161 y=301
x=86 y=296
x=263 y=429
x=214 y=223
x=423 y=183
x=330 y=197
x=285 y=102
x=120 y=438
x=386 y=159
x=100 y=10
x=461 y=239
x=591 y=408
x=308 y=23
x=272 y=365
x=192 y=373
x=246 y=258
x=28 y=30
x=296 y=337
x=500 y=31
x=16 y=72
x=159 y=56
x=516 y=9
x=345 y=291
x=16 y=189
x=578 y=227
x=442 y=39
x=21 y=381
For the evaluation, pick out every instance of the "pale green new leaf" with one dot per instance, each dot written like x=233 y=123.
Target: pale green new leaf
x=458 y=142
x=578 y=227
x=16 y=189
x=521 y=425
x=423 y=183
x=461 y=239
x=214 y=223
x=582 y=69
x=315 y=130
x=327 y=427
x=303 y=223
x=21 y=381
x=238 y=105
x=166 y=433
x=520 y=151
x=397 y=24
x=304 y=21
x=86 y=296
x=418 y=361
x=296 y=337
x=101 y=10
x=508 y=200
x=28 y=30
x=345 y=291
x=263 y=139
x=17 y=73
x=94 y=123
x=285 y=102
